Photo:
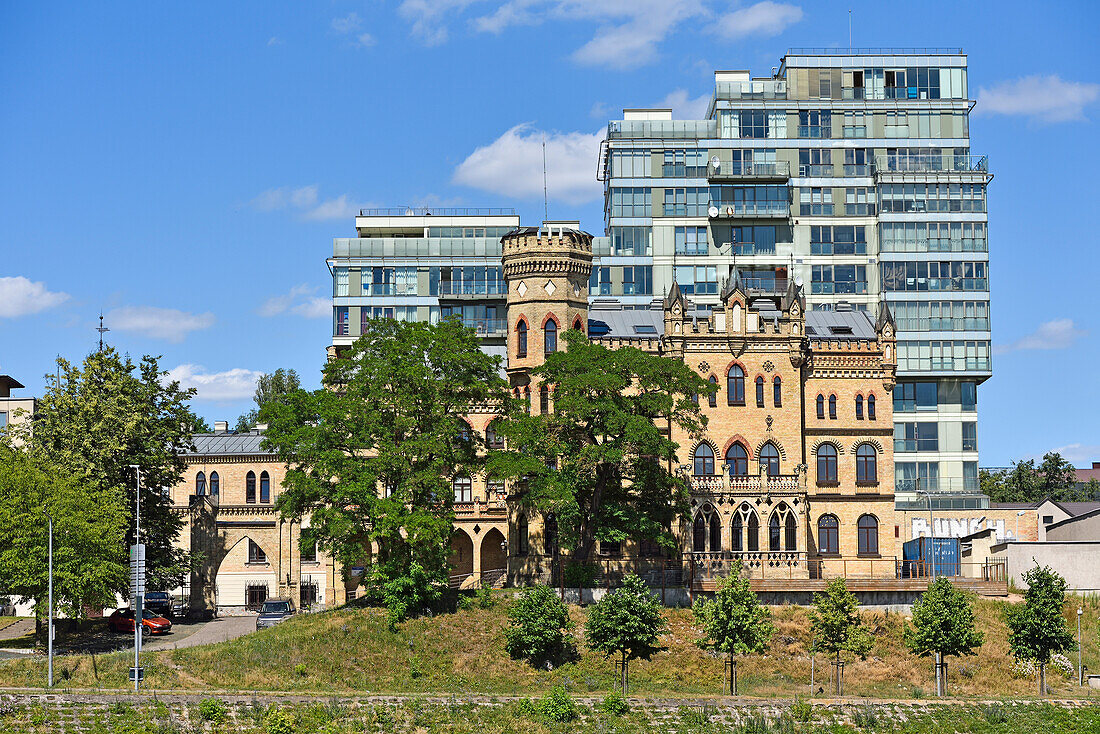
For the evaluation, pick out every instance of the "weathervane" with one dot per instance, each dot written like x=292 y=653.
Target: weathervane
x=102 y=330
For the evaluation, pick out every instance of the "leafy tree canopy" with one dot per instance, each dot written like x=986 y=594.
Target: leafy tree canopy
x=269 y=387
x=602 y=460
x=103 y=416
x=1037 y=627
x=370 y=455
x=1054 y=477
x=734 y=622
x=627 y=621
x=943 y=622
x=836 y=624
x=90 y=559
x=540 y=629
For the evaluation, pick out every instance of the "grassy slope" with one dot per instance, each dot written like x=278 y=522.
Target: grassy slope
x=351 y=650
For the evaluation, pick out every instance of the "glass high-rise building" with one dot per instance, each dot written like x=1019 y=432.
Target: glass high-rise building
x=850 y=171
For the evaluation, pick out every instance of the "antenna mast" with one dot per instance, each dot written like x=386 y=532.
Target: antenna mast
x=849 y=29
x=102 y=330
x=545 y=200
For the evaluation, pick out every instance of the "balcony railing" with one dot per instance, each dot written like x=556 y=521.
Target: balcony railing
x=815 y=170
x=725 y=484
x=426 y=211
x=746 y=248
x=947 y=165
x=852 y=287
x=751 y=208
x=740 y=170
x=873 y=51
x=662 y=129
x=486 y=327
x=757 y=89
x=473 y=288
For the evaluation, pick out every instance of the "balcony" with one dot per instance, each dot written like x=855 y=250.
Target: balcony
x=756 y=89
x=473 y=288
x=487 y=327
x=751 y=171
x=749 y=209
x=816 y=170
x=748 y=485
x=946 y=168
x=422 y=211
x=662 y=129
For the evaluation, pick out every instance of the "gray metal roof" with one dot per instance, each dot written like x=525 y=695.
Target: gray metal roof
x=839 y=325
x=227 y=444
x=617 y=323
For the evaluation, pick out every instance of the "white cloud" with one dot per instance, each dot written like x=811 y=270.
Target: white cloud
x=21 y=297
x=365 y=40
x=314 y=308
x=512 y=165
x=1056 y=334
x=631 y=31
x=216 y=387
x=159 y=323
x=1043 y=98
x=516 y=12
x=274 y=41
x=428 y=18
x=685 y=107
x=762 y=19
x=305 y=200
x=1077 y=454
x=279 y=304
x=348 y=24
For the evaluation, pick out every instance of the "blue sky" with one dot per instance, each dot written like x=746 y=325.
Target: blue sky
x=183 y=167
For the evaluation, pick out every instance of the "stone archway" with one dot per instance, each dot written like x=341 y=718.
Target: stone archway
x=243 y=574
x=462 y=556
x=494 y=557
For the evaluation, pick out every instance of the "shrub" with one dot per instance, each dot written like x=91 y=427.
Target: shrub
x=539 y=626
x=802 y=710
x=580 y=575
x=212 y=709
x=615 y=704
x=865 y=718
x=301 y=670
x=278 y=721
x=695 y=716
x=410 y=594
x=558 y=705
x=994 y=713
x=485 y=599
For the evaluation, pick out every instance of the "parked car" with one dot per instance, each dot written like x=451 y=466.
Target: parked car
x=159 y=602
x=122 y=620
x=274 y=611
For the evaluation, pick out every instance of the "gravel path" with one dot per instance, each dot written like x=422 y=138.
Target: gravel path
x=221 y=629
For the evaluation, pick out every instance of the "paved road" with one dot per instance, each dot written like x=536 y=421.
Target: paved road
x=203 y=633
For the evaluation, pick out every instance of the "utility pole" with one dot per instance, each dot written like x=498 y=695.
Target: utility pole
x=137 y=571
x=1080 y=670
x=49 y=626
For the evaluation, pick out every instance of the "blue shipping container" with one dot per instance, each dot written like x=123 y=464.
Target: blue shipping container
x=930 y=557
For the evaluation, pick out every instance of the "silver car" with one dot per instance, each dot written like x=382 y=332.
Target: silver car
x=274 y=611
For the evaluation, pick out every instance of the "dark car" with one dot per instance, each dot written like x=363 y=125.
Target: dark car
x=274 y=611
x=122 y=620
x=159 y=602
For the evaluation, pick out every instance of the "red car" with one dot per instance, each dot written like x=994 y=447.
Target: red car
x=152 y=623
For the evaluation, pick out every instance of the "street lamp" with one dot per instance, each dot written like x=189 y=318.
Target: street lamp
x=49 y=627
x=138 y=566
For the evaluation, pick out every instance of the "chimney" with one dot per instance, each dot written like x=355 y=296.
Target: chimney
x=221 y=426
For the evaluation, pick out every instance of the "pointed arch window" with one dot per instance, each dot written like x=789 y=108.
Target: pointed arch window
x=265 y=487
x=790 y=532
x=215 y=484
x=832 y=407
x=866 y=463
x=255 y=552
x=699 y=534
x=737 y=459
x=870 y=407
x=250 y=488
x=867 y=535
x=522 y=537
x=777 y=392
x=578 y=325
x=200 y=484
x=521 y=338
x=735 y=386
x=769 y=459
x=859 y=407
x=713 y=399
x=715 y=533
x=826 y=464
x=550 y=336
x=745 y=530
x=820 y=406
x=704 y=460
x=759 y=392
x=544 y=399
x=828 y=534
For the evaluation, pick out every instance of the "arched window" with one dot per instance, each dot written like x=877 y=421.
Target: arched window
x=544 y=399
x=495 y=487
x=744 y=530
x=492 y=438
x=578 y=325
x=867 y=534
x=200 y=484
x=832 y=407
x=737 y=529
x=527 y=399
x=820 y=406
x=859 y=407
x=774 y=532
x=250 y=488
x=521 y=339
x=699 y=534
x=215 y=484
x=464 y=431
x=759 y=392
x=752 y=542
x=735 y=386
x=777 y=392
x=828 y=537
x=826 y=463
x=265 y=487
x=790 y=533
x=522 y=539
x=550 y=337
x=464 y=489
x=737 y=459
x=769 y=459
x=704 y=460
x=715 y=533
x=870 y=407
x=866 y=463
x=713 y=399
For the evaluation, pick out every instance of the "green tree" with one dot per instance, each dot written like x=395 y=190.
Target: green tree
x=269 y=387
x=539 y=628
x=602 y=461
x=627 y=622
x=734 y=622
x=100 y=418
x=1037 y=627
x=836 y=624
x=89 y=530
x=1054 y=477
x=943 y=624
x=370 y=456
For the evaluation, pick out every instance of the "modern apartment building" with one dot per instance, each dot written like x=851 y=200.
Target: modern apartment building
x=850 y=171
x=846 y=170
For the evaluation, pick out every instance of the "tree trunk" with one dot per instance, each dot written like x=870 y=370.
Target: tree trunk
x=1042 y=679
x=625 y=678
x=939 y=673
x=733 y=675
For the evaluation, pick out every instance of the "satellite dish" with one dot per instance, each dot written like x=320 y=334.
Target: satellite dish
x=713 y=212
x=715 y=163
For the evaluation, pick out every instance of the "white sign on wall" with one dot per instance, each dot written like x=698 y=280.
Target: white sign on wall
x=959 y=527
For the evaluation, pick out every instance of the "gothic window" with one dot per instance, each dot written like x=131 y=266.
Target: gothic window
x=820 y=406
x=745 y=530
x=737 y=459
x=713 y=399
x=522 y=539
x=859 y=407
x=704 y=460
x=759 y=392
x=550 y=336
x=735 y=386
x=521 y=339
x=265 y=488
x=769 y=459
x=832 y=407
x=777 y=392
x=200 y=484
x=250 y=488
x=870 y=407
x=544 y=399
x=215 y=484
